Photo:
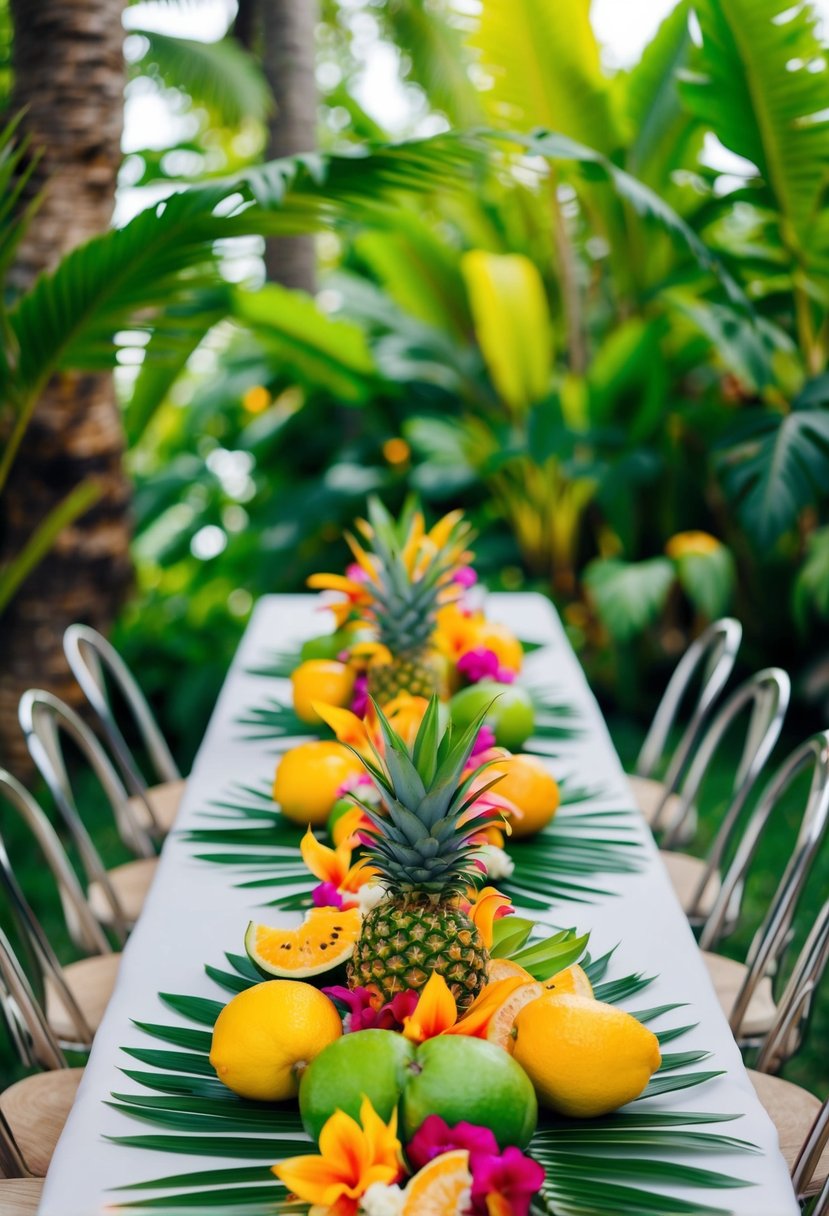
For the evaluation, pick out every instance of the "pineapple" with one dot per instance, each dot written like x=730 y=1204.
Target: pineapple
x=410 y=574
x=424 y=857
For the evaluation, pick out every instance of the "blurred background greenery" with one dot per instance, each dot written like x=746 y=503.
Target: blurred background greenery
x=589 y=305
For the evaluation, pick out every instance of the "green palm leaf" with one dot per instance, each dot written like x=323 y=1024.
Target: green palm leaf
x=543 y=61
x=625 y=1158
x=762 y=87
x=218 y=76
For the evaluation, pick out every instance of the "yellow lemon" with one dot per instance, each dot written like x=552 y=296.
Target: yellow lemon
x=505 y=645
x=266 y=1036
x=529 y=784
x=585 y=1058
x=308 y=778
x=323 y=680
x=572 y=981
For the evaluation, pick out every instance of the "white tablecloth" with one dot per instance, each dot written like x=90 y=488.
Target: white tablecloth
x=193 y=914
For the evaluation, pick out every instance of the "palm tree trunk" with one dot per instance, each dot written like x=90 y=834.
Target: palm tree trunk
x=69 y=75
x=288 y=28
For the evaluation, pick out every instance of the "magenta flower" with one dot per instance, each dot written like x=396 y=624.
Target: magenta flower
x=356 y=573
x=359 y=697
x=481 y=663
x=511 y=1175
x=326 y=895
x=465 y=576
x=484 y=741
x=362 y=1013
x=434 y=1136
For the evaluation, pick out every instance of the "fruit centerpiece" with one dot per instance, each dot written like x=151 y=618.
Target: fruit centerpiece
x=419 y=1078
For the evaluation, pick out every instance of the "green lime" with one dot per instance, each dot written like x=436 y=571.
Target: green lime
x=341 y=807
x=466 y=1079
x=370 y=1062
x=326 y=646
x=511 y=714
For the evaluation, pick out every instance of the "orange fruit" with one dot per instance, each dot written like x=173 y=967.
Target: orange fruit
x=504 y=643
x=531 y=786
x=440 y=1188
x=505 y=969
x=572 y=981
x=499 y=1030
x=323 y=680
x=308 y=778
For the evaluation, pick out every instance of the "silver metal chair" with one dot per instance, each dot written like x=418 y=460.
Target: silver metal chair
x=745 y=989
x=92 y=659
x=116 y=895
x=33 y=1110
x=765 y=698
x=795 y=1006
x=74 y=996
x=711 y=656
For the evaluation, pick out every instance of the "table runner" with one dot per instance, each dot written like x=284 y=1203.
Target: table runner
x=194 y=913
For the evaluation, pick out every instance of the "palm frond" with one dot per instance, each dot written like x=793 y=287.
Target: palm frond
x=544 y=66
x=218 y=76
x=761 y=87
x=634 y=1159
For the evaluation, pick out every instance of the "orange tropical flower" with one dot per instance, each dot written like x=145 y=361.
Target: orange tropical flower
x=348 y=827
x=334 y=865
x=457 y=630
x=436 y=1011
x=484 y=908
x=349 y=729
x=353 y=1156
x=356 y=599
x=405 y=713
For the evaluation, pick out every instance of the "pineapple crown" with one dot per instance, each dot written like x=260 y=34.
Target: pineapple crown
x=423 y=843
x=410 y=570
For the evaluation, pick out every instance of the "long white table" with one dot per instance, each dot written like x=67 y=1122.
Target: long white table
x=194 y=913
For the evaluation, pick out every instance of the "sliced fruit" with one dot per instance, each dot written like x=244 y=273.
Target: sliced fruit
x=441 y=1188
x=505 y=969
x=323 y=941
x=571 y=981
x=499 y=1030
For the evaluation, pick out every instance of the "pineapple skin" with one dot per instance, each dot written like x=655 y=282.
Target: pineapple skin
x=405 y=939
x=415 y=673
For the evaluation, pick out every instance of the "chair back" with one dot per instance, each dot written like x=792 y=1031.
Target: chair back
x=92 y=659
x=713 y=654
x=803 y=1170
x=12 y=1164
x=766 y=698
x=83 y=928
x=34 y=1039
x=773 y=935
x=44 y=718
x=795 y=1005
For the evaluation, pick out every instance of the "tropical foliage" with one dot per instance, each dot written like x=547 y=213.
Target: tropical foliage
x=614 y=336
